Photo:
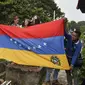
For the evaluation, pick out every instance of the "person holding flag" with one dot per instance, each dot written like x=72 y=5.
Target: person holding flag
x=73 y=47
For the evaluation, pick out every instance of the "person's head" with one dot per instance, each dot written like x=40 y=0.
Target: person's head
x=1 y=81
x=16 y=20
x=76 y=35
x=26 y=23
x=35 y=20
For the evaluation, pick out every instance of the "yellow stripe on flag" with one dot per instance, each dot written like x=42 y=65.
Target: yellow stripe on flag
x=30 y=58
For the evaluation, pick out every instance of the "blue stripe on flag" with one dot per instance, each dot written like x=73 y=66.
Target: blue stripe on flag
x=52 y=45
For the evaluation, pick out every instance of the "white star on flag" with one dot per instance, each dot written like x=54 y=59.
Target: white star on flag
x=28 y=48
x=15 y=42
x=34 y=47
x=39 y=46
x=11 y=39
x=20 y=45
x=45 y=44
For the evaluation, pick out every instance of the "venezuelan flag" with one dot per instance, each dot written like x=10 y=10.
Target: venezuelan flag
x=39 y=45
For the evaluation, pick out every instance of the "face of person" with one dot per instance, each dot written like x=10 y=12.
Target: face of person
x=34 y=19
x=26 y=22
x=16 y=21
x=74 y=36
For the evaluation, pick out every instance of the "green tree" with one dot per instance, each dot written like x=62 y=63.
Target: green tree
x=28 y=8
x=4 y=2
x=72 y=25
x=82 y=28
x=81 y=23
x=82 y=70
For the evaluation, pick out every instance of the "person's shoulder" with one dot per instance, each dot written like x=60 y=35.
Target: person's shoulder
x=79 y=43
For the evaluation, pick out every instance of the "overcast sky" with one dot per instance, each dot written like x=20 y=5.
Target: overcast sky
x=69 y=8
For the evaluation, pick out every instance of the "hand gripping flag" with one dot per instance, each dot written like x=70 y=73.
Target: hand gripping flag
x=39 y=45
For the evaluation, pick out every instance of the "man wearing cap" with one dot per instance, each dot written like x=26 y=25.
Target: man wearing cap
x=73 y=48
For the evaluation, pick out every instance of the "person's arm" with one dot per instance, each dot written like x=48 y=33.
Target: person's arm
x=67 y=36
x=76 y=54
x=69 y=44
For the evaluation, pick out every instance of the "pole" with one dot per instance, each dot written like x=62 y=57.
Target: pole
x=54 y=15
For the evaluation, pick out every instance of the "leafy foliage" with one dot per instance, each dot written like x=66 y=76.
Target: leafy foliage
x=29 y=8
x=82 y=70
x=4 y=2
x=81 y=23
x=83 y=55
x=73 y=25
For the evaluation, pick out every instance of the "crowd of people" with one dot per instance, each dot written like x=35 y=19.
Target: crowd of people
x=73 y=47
x=27 y=22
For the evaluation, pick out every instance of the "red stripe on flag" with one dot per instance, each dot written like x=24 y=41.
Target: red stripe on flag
x=49 y=29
